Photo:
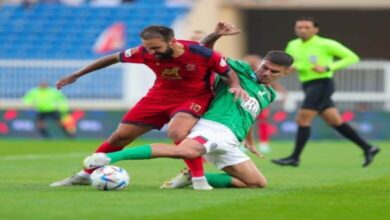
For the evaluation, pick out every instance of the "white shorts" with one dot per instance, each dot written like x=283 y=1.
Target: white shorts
x=221 y=144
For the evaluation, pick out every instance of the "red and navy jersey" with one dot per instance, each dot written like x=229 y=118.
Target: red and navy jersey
x=185 y=76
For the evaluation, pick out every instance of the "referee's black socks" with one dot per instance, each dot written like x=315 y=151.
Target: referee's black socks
x=300 y=141
x=349 y=133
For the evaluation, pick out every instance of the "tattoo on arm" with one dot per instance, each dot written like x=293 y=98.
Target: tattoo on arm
x=209 y=40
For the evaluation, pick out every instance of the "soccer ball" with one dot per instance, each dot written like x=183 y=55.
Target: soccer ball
x=108 y=178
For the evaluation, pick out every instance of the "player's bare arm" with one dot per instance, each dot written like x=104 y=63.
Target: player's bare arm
x=96 y=65
x=232 y=80
x=222 y=29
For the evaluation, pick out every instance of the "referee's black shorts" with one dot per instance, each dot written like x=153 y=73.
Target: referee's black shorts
x=318 y=94
x=45 y=115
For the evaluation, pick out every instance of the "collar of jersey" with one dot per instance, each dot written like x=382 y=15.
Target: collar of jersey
x=254 y=76
x=312 y=39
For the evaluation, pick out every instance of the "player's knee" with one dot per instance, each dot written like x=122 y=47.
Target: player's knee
x=177 y=135
x=303 y=121
x=333 y=122
x=299 y=120
x=256 y=183
x=187 y=153
x=262 y=183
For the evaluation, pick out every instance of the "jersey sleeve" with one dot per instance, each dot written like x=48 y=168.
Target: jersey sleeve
x=346 y=56
x=132 y=55
x=241 y=67
x=218 y=64
x=290 y=50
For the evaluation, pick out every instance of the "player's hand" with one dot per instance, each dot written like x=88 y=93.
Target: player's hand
x=253 y=149
x=239 y=93
x=66 y=80
x=225 y=29
x=319 y=69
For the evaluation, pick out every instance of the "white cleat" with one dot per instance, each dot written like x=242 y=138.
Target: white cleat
x=96 y=160
x=183 y=179
x=72 y=181
x=200 y=183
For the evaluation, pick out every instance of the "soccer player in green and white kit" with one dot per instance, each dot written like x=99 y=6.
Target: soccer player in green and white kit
x=218 y=134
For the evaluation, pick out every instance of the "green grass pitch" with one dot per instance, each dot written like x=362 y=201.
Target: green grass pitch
x=329 y=184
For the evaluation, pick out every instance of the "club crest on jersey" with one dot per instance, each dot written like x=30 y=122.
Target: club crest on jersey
x=171 y=73
x=130 y=52
x=195 y=107
x=222 y=63
x=190 y=67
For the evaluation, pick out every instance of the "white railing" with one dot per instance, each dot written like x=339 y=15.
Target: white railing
x=366 y=83
x=116 y=87
x=120 y=86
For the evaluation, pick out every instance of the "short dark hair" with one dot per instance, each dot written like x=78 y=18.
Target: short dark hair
x=155 y=31
x=279 y=57
x=308 y=18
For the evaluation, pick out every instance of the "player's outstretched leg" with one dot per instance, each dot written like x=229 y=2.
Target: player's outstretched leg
x=82 y=177
x=124 y=135
x=149 y=152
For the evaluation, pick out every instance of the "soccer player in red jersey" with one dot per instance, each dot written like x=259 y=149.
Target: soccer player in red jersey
x=180 y=95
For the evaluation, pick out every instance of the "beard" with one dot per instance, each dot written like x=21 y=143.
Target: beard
x=165 y=55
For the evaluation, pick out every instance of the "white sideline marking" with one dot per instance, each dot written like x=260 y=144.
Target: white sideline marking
x=44 y=156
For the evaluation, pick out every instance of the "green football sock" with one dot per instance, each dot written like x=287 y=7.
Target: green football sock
x=134 y=153
x=219 y=180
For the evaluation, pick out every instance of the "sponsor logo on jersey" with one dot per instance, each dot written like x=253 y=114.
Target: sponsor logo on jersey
x=252 y=106
x=190 y=67
x=171 y=73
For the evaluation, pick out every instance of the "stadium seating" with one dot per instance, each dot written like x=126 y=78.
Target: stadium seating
x=54 y=31
x=48 y=32
x=105 y=84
